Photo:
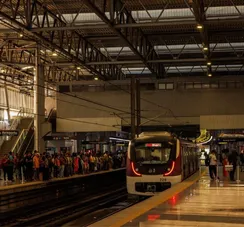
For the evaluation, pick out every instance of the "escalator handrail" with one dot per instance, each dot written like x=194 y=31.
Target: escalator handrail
x=51 y=113
x=28 y=144
x=21 y=134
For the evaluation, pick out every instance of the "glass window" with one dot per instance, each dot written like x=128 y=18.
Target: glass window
x=197 y=85
x=170 y=86
x=214 y=85
x=161 y=86
x=153 y=153
x=205 y=86
x=222 y=84
x=188 y=85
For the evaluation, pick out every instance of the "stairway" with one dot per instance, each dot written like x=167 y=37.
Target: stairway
x=9 y=144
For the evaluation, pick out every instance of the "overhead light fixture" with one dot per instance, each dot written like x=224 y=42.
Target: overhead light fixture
x=209 y=63
x=209 y=75
x=78 y=67
x=199 y=26
x=205 y=48
x=96 y=78
x=20 y=35
x=54 y=54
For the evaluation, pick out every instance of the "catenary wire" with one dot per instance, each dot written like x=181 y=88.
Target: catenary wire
x=84 y=99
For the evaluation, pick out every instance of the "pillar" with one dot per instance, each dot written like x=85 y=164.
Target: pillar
x=7 y=102
x=138 y=107
x=39 y=102
x=132 y=106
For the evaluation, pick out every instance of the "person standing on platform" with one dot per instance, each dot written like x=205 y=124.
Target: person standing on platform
x=4 y=164
x=213 y=165
x=10 y=166
x=233 y=161
x=36 y=165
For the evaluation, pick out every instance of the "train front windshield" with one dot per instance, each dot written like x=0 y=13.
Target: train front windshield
x=154 y=153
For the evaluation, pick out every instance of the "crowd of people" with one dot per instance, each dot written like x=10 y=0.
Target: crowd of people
x=226 y=158
x=44 y=166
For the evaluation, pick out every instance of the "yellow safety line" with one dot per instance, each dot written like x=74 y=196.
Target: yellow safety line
x=149 y=203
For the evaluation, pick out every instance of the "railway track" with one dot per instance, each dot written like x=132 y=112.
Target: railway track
x=102 y=213
x=32 y=215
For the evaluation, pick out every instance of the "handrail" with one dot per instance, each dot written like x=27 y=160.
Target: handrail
x=50 y=113
x=18 y=140
x=25 y=132
x=28 y=144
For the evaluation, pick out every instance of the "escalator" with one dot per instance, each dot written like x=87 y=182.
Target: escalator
x=28 y=144
x=52 y=118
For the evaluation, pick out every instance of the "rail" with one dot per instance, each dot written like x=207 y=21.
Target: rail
x=20 y=140
x=25 y=147
x=51 y=113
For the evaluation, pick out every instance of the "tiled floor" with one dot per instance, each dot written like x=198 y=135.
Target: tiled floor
x=205 y=204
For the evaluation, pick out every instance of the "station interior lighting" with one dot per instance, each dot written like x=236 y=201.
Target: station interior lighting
x=209 y=75
x=54 y=54
x=78 y=67
x=205 y=48
x=209 y=63
x=20 y=35
x=199 y=26
x=96 y=78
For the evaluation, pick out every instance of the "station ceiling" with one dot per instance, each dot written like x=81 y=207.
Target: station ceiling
x=112 y=39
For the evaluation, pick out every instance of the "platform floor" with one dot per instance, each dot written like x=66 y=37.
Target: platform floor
x=17 y=183
x=204 y=204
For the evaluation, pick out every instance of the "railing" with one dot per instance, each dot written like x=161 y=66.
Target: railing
x=51 y=114
x=23 y=112
x=24 y=149
x=18 y=145
x=20 y=141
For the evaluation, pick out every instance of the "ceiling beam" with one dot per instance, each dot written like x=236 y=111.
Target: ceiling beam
x=179 y=23
x=134 y=38
x=190 y=61
x=70 y=43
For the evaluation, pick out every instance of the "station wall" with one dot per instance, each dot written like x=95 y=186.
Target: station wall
x=181 y=106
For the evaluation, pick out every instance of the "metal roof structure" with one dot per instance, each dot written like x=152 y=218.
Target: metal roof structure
x=112 y=39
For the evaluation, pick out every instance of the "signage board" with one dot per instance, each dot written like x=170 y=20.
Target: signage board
x=9 y=133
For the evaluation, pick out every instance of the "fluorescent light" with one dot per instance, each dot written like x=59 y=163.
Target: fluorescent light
x=199 y=26
x=96 y=78
x=78 y=67
x=27 y=67
x=20 y=35
x=54 y=54
x=209 y=74
x=118 y=139
x=205 y=48
x=209 y=63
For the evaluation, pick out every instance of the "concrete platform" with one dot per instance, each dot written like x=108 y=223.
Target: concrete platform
x=21 y=187
x=197 y=202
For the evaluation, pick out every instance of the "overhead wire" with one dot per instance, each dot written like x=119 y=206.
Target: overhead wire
x=68 y=119
x=87 y=100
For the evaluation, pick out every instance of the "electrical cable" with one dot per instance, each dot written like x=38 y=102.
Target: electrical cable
x=80 y=121
x=83 y=99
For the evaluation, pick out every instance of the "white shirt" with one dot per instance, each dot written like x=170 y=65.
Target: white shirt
x=213 y=160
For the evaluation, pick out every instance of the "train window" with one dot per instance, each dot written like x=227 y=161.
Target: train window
x=147 y=153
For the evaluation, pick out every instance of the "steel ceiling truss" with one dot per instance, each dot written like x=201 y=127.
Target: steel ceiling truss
x=133 y=37
x=15 y=59
x=34 y=14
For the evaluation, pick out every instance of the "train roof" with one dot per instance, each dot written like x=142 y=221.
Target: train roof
x=156 y=136
x=152 y=134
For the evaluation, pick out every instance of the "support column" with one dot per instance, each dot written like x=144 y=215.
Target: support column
x=7 y=102
x=132 y=105
x=39 y=102
x=138 y=107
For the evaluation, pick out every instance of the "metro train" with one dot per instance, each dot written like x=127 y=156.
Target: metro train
x=158 y=160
